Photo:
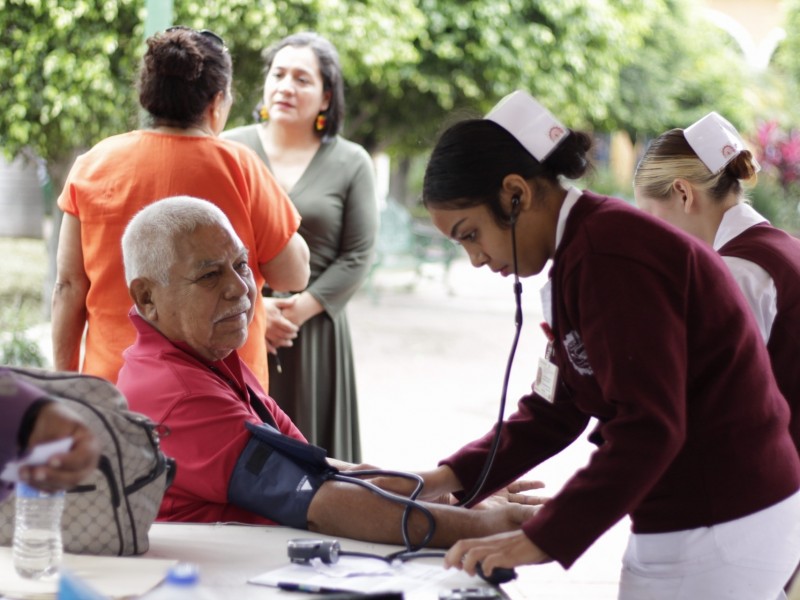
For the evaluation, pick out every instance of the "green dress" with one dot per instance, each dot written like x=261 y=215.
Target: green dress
x=336 y=199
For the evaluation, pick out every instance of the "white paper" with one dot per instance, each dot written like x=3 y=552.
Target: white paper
x=38 y=456
x=355 y=574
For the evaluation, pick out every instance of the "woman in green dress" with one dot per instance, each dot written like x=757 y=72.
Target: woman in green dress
x=331 y=182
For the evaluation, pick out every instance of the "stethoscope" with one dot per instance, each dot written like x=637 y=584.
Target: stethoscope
x=487 y=465
x=305 y=550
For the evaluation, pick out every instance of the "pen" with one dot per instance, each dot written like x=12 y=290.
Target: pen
x=278 y=366
x=309 y=589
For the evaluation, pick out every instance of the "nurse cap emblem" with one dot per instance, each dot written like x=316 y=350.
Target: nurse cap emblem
x=715 y=141
x=530 y=123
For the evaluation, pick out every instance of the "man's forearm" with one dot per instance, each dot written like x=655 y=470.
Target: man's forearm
x=347 y=510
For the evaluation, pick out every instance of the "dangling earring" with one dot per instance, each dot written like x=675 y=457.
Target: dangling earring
x=321 y=122
x=261 y=113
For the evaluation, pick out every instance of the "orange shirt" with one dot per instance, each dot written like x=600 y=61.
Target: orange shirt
x=122 y=174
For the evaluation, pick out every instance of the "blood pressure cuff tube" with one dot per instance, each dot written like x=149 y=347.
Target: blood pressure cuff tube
x=277 y=476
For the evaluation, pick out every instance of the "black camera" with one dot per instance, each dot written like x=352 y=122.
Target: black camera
x=302 y=551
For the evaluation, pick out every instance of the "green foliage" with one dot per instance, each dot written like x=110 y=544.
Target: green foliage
x=22 y=272
x=440 y=56
x=787 y=56
x=17 y=348
x=68 y=67
x=685 y=67
x=20 y=311
x=770 y=199
x=472 y=53
x=65 y=73
x=601 y=180
x=778 y=94
x=369 y=56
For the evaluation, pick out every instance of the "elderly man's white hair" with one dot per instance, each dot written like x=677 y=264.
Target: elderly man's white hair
x=148 y=244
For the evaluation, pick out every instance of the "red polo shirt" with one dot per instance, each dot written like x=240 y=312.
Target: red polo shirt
x=202 y=407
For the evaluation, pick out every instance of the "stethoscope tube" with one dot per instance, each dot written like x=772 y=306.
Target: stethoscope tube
x=487 y=465
x=409 y=502
x=412 y=551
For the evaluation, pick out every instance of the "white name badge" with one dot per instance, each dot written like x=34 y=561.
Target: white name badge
x=546 y=379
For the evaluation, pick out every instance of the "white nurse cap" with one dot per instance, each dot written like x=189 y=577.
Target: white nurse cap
x=530 y=122
x=715 y=141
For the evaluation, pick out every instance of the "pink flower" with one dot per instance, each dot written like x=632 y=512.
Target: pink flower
x=764 y=133
x=778 y=152
x=790 y=149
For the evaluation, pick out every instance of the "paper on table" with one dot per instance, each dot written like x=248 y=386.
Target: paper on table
x=38 y=456
x=112 y=576
x=354 y=574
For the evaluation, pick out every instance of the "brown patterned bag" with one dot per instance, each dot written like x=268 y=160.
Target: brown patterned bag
x=111 y=512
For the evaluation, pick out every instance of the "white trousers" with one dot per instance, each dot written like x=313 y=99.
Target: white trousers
x=750 y=558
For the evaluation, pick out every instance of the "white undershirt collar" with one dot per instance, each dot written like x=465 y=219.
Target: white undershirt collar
x=735 y=220
x=573 y=194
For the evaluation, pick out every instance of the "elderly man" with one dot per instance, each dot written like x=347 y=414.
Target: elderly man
x=30 y=418
x=193 y=299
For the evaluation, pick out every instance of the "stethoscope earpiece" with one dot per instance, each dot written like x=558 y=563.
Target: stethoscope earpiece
x=512 y=218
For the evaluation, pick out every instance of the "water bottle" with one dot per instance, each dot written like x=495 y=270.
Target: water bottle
x=37 y=532
x=182 y=583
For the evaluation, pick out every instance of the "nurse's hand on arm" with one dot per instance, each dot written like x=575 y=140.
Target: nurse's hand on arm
x=441 y=483
x=514 y=493
x=508 y=550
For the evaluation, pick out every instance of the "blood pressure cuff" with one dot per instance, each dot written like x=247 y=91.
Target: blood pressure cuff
x=277 y=476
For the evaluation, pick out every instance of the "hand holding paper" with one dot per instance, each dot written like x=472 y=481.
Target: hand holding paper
x=64 y=451
x=66 y=469
x=39 y=455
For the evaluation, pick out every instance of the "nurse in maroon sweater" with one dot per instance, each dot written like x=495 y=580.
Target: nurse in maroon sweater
x=651 y=337
x=692 y=179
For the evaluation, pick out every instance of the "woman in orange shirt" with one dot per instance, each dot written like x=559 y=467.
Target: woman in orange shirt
x=184 y=85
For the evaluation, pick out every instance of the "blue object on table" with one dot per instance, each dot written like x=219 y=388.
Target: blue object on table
x=72 y=587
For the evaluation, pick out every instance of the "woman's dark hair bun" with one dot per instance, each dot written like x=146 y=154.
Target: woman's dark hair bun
x=569 y=158
x=742 y=166
x=178 y=56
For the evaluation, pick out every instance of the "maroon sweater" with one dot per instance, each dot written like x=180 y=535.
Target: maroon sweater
x=778 y=253
x=653 y=339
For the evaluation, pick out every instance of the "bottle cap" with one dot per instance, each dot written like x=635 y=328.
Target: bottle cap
x=184 y=574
